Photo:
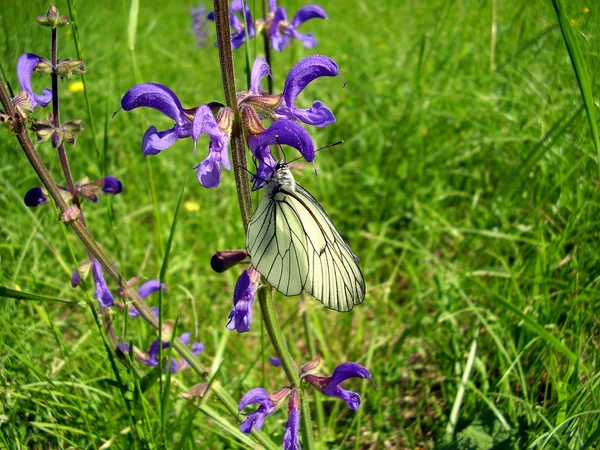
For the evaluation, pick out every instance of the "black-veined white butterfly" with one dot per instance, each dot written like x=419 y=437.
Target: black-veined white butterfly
x=295 y=246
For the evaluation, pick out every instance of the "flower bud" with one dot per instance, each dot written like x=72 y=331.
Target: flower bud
x=52 y=19
x=251 y=120
x=310 y=367
x=112 y=186
x=35 y=197
x=221 y=261
x=225 y=120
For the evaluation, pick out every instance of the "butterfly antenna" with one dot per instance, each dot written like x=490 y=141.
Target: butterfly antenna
x=280 y=152
x=319 y=149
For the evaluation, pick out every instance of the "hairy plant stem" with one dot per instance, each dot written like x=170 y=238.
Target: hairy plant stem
x=238 y=148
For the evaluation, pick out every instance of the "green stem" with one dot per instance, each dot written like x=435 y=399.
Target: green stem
x=238 y=149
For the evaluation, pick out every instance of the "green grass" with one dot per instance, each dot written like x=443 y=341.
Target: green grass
x=467 y=185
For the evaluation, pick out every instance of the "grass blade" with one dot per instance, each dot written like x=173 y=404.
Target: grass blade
x=20 y=295
x=581 y=72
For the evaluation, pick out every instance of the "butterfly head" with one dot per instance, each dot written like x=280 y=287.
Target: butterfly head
x=282 y=177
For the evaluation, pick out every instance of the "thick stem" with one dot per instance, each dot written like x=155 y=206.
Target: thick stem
x=238 y=149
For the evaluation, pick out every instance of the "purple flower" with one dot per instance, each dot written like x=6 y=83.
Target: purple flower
x=291 y=440
x=275 y=362
x=240 y=317
x=111 y=185
x=302 y=74
x=281 y=132
x=330 y=385
x=153 y=352
x=209 y=170
x=25 y=67
x=188 y=123
x=103 y=295
x=238 y=37
x=75 y=278
x=162 y=99
x=198 y=14
x=281 y=31
x=256 y=419
x=35 y=197
x=176 y=364
x=149 y=287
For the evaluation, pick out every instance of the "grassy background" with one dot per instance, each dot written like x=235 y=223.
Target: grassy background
x=468 y=185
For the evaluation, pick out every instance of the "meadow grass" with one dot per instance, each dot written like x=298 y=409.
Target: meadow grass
x=467 y=184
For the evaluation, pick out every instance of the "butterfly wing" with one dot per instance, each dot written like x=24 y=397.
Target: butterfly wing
x=294 y=245
x=335 y=279
x=276 y=243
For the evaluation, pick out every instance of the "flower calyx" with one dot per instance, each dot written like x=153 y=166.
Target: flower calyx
x=52 y=19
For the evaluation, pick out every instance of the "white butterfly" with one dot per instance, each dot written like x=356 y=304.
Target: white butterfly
x=295 y=246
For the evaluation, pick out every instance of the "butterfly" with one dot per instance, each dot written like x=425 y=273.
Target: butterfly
x=295 y=246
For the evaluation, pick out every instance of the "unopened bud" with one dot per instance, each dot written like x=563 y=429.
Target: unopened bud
x=251 y=120
x=310 y=367
x=221 y=261
x=225 y=120
x=52 y=19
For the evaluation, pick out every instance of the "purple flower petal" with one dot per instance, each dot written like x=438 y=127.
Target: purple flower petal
x=285 y=132
x=342 y=373
x=35 y=197
x=156 y=96
x=112 y=185
x=240 y=317
x=75 y=279
x=185 y=338
x=25 y=67
x=302 y=74
x=257 y=418
x=278 y=40
x=150 y=287
x=275 y=362
x=291 y=440
x=197 y=348
x=103 y=295
x=260 y=69
x=308 y=39
x=306 y=13
x=266 y=165
x=154 y=141
x=208 y=171
x=152 y=358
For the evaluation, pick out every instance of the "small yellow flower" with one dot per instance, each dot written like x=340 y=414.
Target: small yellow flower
x=573 y=21
x=191 y=206
x=76 y=86
x=586 y=10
